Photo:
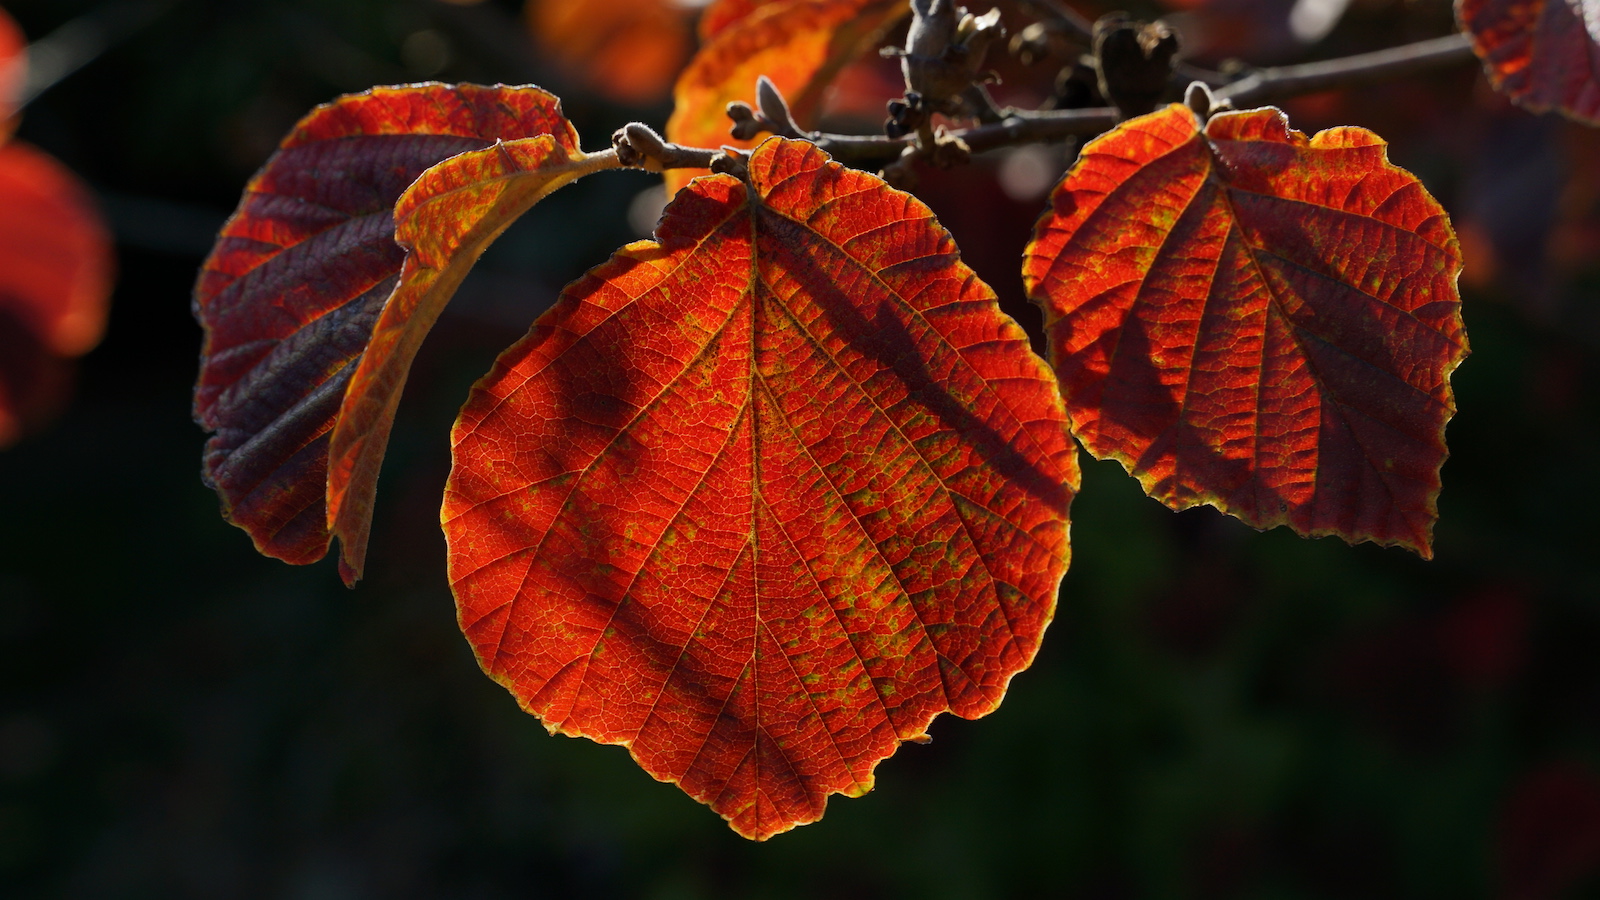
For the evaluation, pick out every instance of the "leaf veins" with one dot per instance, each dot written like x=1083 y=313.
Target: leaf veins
x=1251 y=320
x=761 y=498
x=299 y=275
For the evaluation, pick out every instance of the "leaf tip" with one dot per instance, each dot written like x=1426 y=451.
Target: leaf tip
x=349 y=569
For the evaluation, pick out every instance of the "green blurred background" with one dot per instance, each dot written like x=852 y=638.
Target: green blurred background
x=1215 y=713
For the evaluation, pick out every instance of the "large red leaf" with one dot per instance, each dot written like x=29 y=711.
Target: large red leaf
x=299 y=274
x=797 y=44
x=55 y=282
x=1251 y=320
x=445 y=220
x=1544 y=54
x=761 y=500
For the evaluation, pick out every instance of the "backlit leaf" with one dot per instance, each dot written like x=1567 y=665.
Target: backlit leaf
x=445 y=220
x=798 y=44
x=761 y=500
x=55 y=282
x=1544 y=54
x=298 y=276
x=628 y=50
x=1251 y=320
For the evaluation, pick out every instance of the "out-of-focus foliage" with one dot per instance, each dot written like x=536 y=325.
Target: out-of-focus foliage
x=627 y=50
x=1215 y=712
x=55 y=264
x=1544 y=54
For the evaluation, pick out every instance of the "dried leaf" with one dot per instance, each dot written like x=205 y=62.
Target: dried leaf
x=299 y=275
x=1544 y=54
x=1251 y=320
x=445 y=220
x=799 y=45
x=761 y=500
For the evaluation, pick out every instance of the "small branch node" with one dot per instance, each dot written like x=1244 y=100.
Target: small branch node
x=949 y=150
x=639 y=147
x=901 y=174
x=746 y=121
x=730 y=161
x=944 y=54
x=775 y=111
x=1135 y=61
x=1199 y=98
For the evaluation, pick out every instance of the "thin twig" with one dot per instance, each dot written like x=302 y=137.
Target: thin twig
x=1266 y=85
x=1066 y=19
x=1052 y=125
x=81 y=40
x=1018 y=127
x=637 y=146
x=1185 y=74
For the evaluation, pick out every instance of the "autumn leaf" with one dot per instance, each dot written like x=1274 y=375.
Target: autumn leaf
x=445 y=220
x=762 y=498
x=719 y=14
x=627 y=50
x=1544 y=54
x=799 y=45
x=299 y=275
x=1251 y=320
x=55 y=282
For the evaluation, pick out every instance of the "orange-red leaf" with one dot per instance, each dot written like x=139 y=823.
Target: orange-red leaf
x=445 y=220
x=628 y=50
x=1544 y=54
x=55 y=282
x=761 y=500
x=299 y=274
x=719 y=14
x=1248 y=319
x=798 y=44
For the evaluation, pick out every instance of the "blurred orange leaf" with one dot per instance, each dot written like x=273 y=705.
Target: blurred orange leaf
x=798 y=44
x=55 y=281
x=719 y=14
x=1256 y=321
x=762 y=498
x=1544 y=54
x=628 y=50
